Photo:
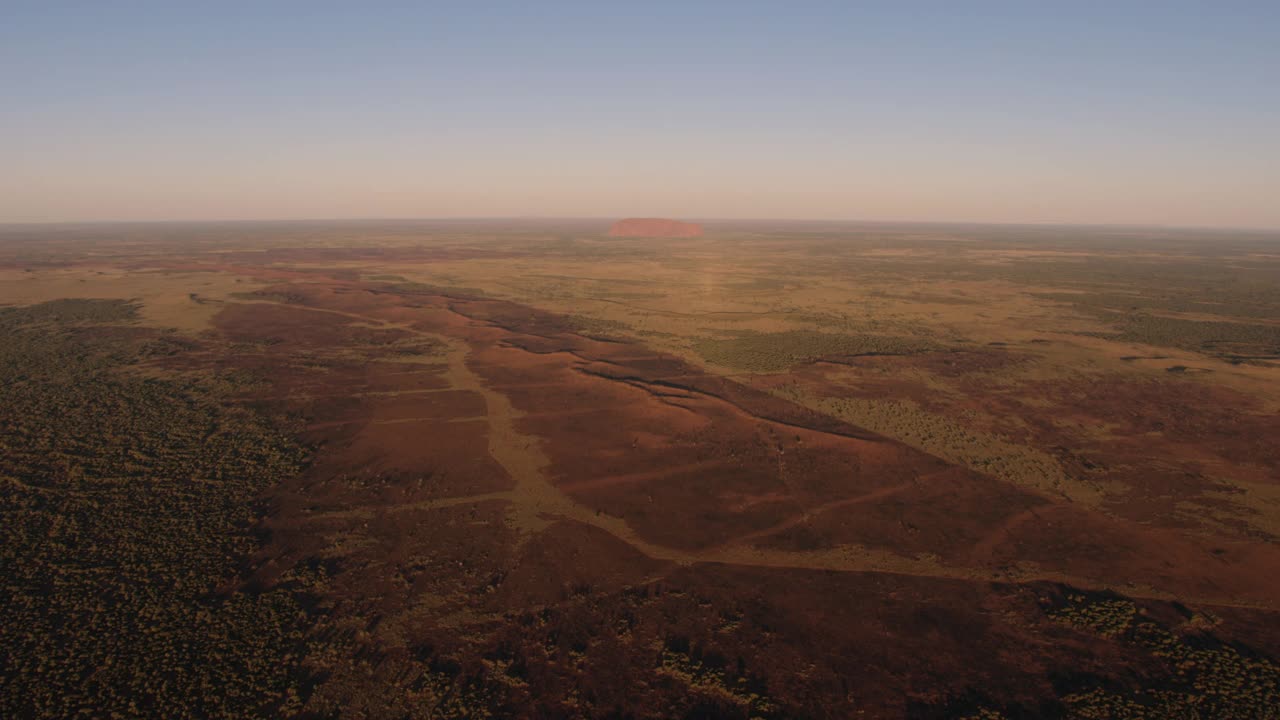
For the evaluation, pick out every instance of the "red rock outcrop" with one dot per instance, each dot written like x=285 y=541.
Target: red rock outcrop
x=654 y=227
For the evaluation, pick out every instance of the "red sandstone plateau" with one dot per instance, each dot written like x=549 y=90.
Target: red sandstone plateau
x=654 y=227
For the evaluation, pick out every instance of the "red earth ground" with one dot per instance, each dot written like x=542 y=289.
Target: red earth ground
x=617 y=533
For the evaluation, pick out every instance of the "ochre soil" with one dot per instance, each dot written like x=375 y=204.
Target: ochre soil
x=491 y=486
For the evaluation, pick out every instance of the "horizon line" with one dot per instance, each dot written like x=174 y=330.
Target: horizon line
x=614 y=218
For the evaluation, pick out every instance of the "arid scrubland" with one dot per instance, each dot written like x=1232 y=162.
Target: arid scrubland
x=496 y=469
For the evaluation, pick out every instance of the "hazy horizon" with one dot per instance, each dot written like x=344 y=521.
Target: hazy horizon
x=1156 y=115
x=777 y=223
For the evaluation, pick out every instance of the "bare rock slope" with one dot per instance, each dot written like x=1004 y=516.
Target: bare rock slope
x=654 y=227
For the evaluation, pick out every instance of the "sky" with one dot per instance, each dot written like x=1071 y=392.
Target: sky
x=1161 y=113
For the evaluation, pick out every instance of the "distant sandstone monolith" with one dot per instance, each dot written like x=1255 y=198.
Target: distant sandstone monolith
x=654 y=227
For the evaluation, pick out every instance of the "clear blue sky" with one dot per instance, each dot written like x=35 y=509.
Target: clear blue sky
x=1151 y=112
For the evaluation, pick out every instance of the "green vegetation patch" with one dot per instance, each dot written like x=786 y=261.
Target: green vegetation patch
x=956 y=441
x=926 y=297
x=1169 y=287
x=284 y=298
x=775 y=352
x=1229 y=340
x=434 y=289
x=126 y=503
x=68 y=311
x=601 y=328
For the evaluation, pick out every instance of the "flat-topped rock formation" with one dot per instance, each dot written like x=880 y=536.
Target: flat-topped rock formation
x=654 y=227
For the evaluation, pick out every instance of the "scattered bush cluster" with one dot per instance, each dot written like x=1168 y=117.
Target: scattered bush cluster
x=1207 y=679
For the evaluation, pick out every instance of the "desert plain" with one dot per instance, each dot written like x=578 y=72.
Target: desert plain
x=439 y=469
